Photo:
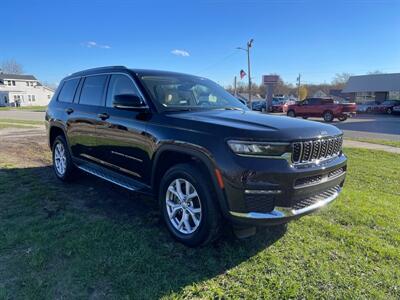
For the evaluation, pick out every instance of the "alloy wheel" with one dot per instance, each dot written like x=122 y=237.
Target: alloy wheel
x=183 y=206
x=60 y=159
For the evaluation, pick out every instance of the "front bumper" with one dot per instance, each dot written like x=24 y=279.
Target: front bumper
x=272 y=192
x=285 y=214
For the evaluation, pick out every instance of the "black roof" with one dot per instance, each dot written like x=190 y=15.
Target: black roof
x=16 y=77
x=139 y=72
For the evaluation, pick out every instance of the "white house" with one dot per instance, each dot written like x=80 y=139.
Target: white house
x=23 y=90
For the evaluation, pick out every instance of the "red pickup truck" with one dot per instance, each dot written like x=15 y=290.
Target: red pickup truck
x=321 y=107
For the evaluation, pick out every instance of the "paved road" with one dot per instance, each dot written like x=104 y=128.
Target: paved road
x=362 y=126
x=371 y=126
x=22 y=115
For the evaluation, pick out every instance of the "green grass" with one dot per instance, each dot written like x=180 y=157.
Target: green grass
x=27 y=108
x=75 y=241
x=22 y=122
x=377 y=141
x=11 y=125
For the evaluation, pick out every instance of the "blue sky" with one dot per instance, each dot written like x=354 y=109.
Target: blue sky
x=315 y=38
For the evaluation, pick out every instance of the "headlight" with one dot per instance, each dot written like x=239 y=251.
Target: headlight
x=259 y=148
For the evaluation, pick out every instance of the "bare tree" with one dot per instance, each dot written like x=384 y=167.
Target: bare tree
x=340 y=79
x=11 y=66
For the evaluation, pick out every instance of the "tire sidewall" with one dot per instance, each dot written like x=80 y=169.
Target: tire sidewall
x=197 y=180
x=328 y=113
x=291 y=114
x=68 y=161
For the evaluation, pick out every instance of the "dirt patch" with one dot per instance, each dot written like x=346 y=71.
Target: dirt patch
x=21 y=152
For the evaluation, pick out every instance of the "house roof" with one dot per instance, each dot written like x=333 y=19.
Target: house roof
x=373 y=83
x=16 y=77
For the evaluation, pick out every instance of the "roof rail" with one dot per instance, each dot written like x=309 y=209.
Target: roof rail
x=98 y=69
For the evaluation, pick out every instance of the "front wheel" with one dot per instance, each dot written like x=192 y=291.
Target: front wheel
x=328 y=116
x=188 y=207
x=291 y=113
x=342 y=118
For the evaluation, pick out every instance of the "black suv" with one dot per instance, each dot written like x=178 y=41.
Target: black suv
x=199 y=150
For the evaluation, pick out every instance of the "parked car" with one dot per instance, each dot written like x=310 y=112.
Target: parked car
x=365 y=107
x=386 y=106
x=259 y=105
x=204 y=155
x=277 y=105
x=396 y=109
x=321 y=107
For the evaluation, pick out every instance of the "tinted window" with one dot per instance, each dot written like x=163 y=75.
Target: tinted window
x=313 y=101
x=327 y=101
x=92 y=90
x=68 y=90
x=120 y=85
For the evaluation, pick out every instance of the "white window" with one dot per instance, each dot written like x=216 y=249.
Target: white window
x=9 y=82
x=29 y=98
x=13 y=82
x=27 y=83
x=33 y=98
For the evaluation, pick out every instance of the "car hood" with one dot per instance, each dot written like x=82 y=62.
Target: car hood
x=249 y=124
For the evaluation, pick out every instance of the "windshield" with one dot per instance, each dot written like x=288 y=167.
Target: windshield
x=182 y=92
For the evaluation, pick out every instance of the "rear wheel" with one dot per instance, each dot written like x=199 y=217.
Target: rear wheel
x=188 y=207
x=389 y=111
x=328 y=116
x=305 y=118
x=342 y=118
x=291 y=113
x=63 y=166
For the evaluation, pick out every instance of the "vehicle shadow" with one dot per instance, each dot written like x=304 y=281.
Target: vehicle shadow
x=121 y=239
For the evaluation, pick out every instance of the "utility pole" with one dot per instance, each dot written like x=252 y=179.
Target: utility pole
x=234 y=87
x=298 y=86
x=249 y=45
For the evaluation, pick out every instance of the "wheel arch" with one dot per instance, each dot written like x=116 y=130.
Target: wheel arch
x=55 y=131
x=170 y=155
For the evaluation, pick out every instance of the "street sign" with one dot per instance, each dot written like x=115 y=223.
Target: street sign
x=270 y=79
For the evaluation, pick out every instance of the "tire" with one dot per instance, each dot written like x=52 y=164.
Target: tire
x=63 y=165
x=305 y=118
x=328 y=116
x=291 y=113
x=203 y=206
x=342 y=118
x=389 y=111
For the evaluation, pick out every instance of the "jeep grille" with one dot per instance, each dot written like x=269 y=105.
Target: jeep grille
x=311 y=151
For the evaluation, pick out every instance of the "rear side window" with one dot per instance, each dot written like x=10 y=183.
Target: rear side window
x=68 y=90
x=120 y=85
x=92 y=90
x=314 y=101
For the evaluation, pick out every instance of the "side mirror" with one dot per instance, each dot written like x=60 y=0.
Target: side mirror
x=128 y=101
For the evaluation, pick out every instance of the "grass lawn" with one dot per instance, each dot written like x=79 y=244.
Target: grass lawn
x=11 y=125
x=21 y=122
x=76 y=241
x=28 y=108
x=377 y=141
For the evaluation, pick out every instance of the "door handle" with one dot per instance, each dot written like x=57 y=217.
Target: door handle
x=103 y=116
x=69 y=110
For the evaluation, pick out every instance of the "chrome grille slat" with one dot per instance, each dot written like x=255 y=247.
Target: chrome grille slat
x=315 y=150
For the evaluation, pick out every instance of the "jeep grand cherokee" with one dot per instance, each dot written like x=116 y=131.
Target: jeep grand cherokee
x=196 y=148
